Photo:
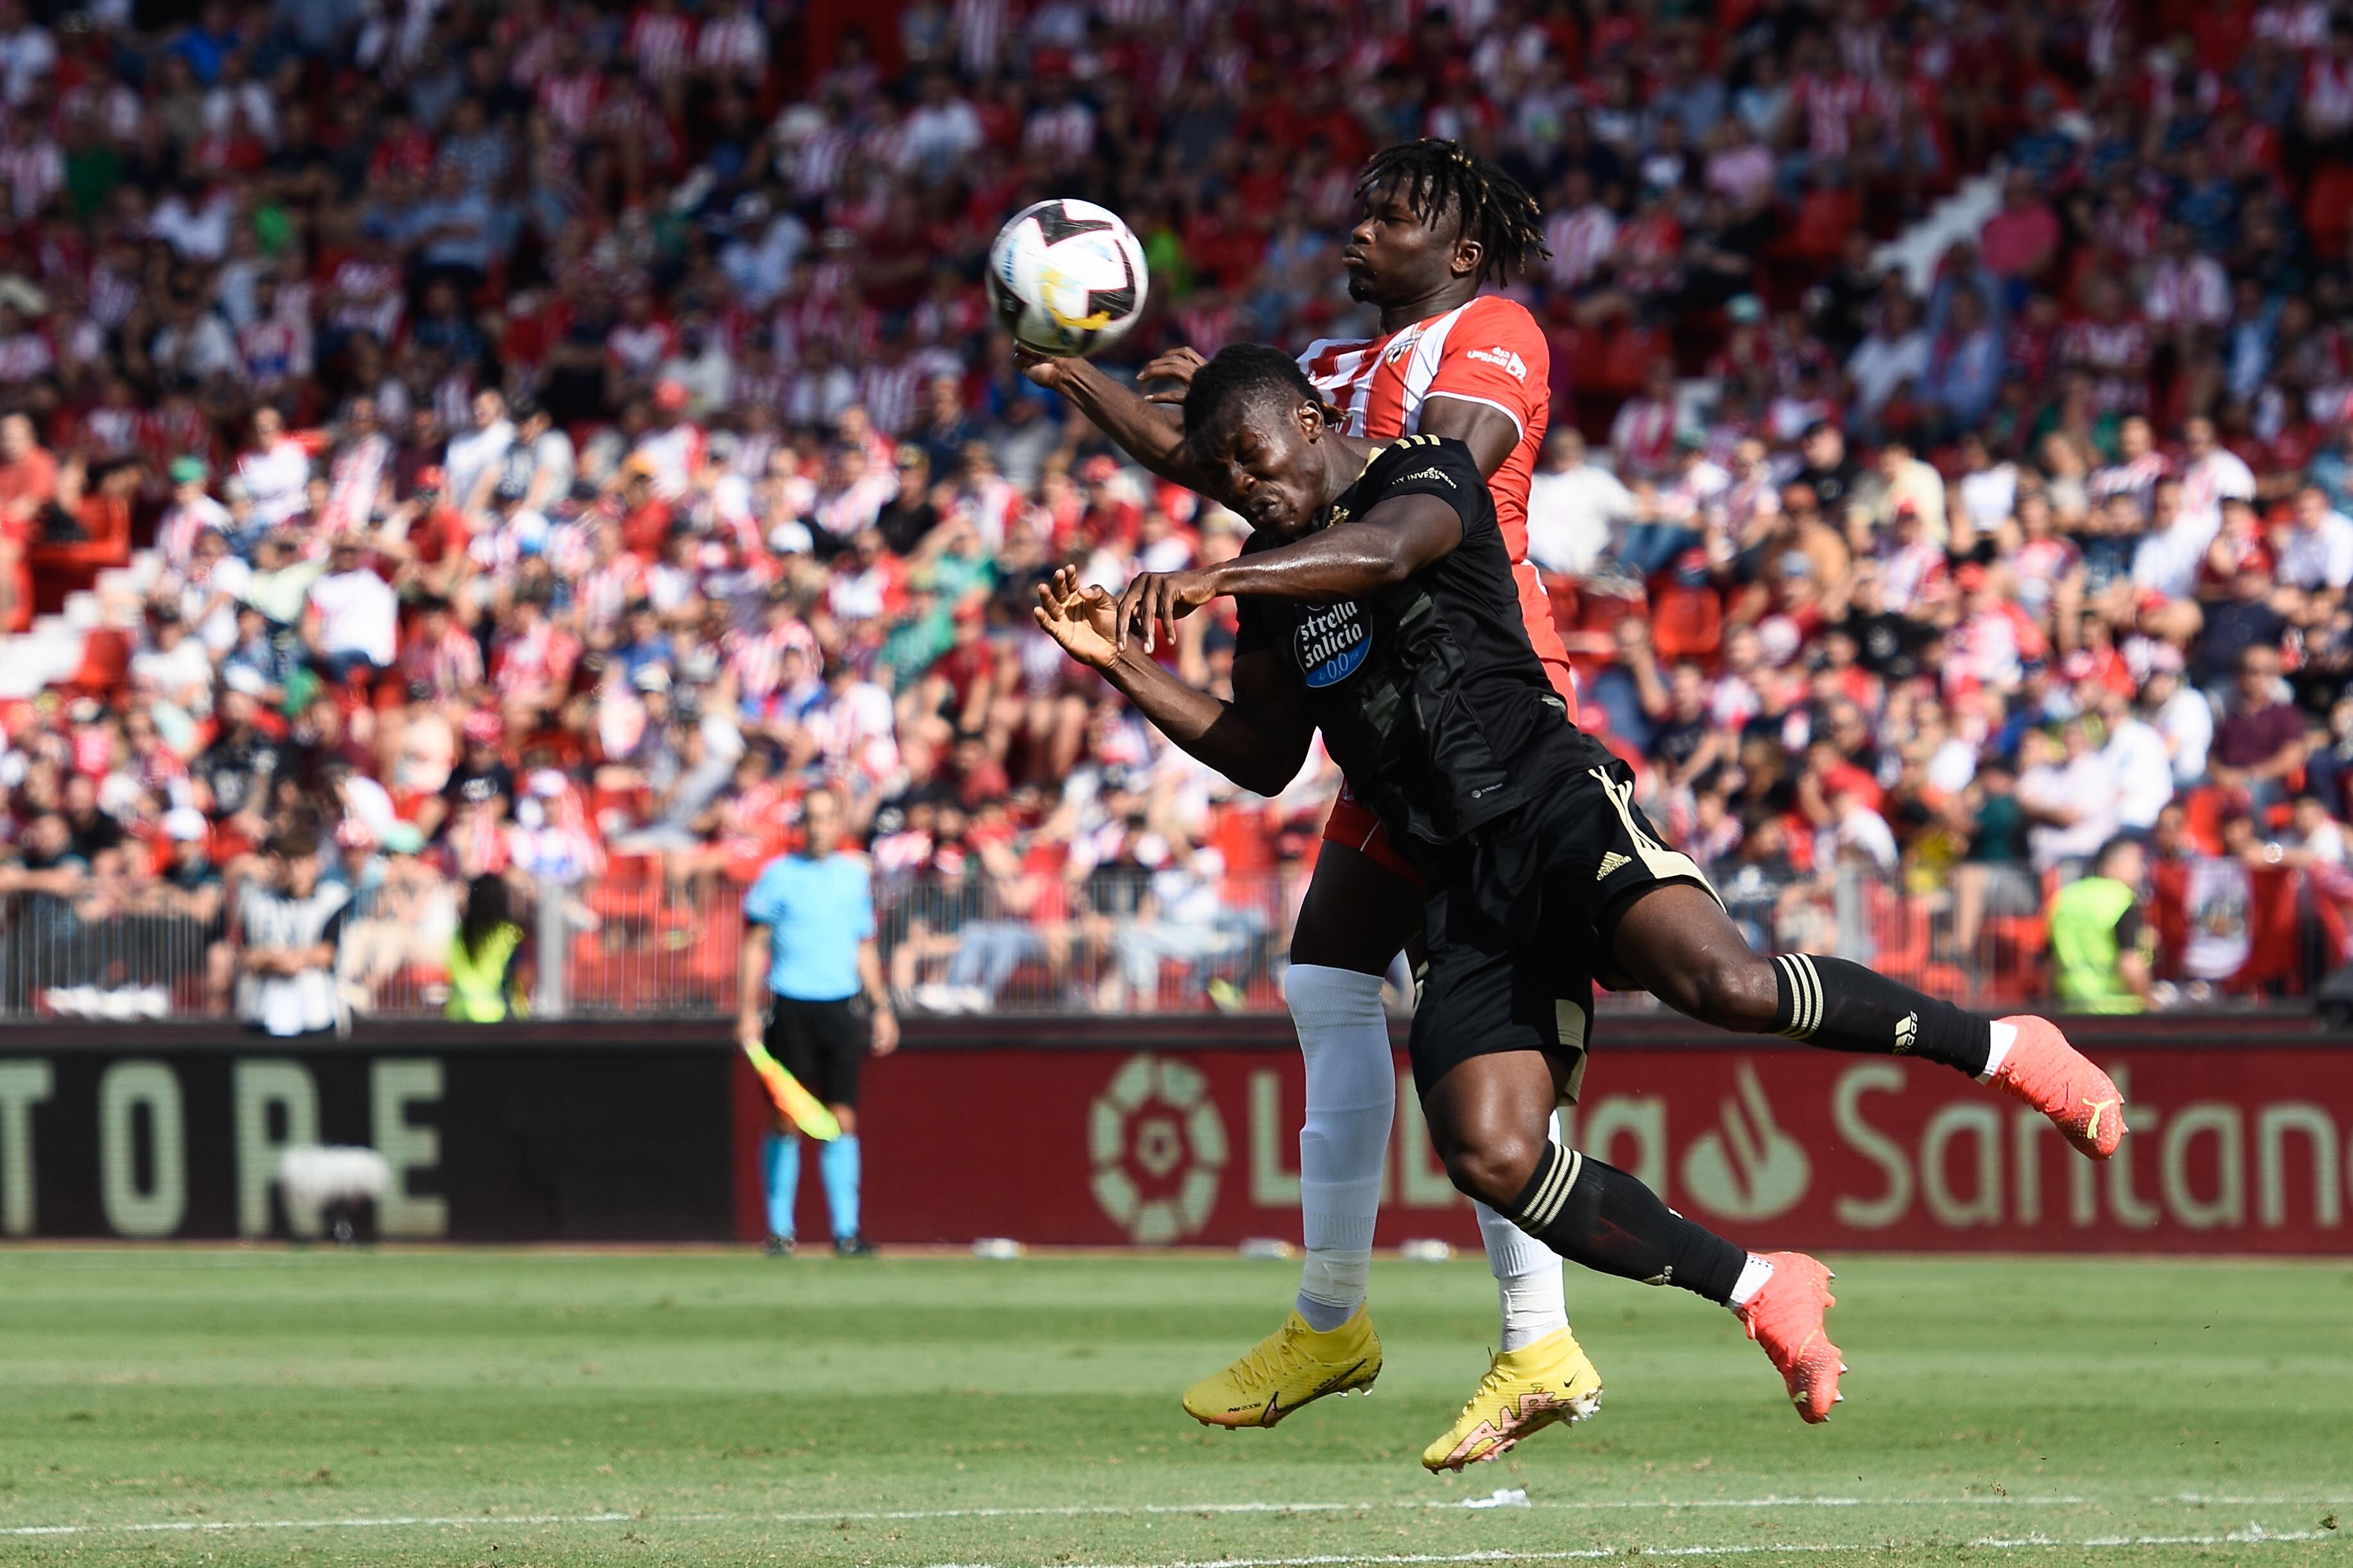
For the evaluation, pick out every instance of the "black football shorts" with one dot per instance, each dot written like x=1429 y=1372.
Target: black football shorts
x=823 y=1044
x=1486 y=988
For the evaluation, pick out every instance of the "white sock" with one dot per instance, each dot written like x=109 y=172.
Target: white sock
x=1753 y=1275
x=2004 y=1036
x=1343 y=1139
x=1527 y=1280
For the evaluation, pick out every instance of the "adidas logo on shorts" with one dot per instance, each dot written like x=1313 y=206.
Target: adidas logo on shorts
x=1610 y=861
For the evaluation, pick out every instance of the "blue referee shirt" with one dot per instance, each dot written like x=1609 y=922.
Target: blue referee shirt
x=816 y=912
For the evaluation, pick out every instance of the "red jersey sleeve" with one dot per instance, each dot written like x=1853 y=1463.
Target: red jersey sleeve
x=1496 y=355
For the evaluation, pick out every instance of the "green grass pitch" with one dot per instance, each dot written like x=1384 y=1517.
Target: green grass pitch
x=512 y=1408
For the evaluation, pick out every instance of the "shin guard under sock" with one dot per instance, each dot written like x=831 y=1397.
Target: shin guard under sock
x=1598 y=1215
x=1842 y=1006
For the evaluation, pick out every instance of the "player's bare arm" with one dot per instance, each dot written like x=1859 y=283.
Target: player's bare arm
x=1488 y=431
x=1387 y=546
x=1152 y=433
x=1258 y=740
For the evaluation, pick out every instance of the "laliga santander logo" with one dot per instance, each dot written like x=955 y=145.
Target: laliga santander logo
x=1159 y=1149
x=1749 y=1168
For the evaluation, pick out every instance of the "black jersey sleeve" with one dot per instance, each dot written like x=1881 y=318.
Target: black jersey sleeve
x=1430 y=466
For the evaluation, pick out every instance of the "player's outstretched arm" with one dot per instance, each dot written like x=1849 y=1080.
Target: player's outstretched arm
x=1153 y=434
x=1387 y=545
x=1258 y=740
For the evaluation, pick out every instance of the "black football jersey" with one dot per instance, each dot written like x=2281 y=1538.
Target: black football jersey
x=1429 y=695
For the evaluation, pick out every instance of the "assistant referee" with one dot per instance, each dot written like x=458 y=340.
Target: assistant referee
x=808 y=953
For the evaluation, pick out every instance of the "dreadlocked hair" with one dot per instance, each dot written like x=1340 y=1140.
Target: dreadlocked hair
x=1496 y=209
x=1241 y=373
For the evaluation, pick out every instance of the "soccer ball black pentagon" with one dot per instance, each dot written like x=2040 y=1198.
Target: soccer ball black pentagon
x=1066 y=276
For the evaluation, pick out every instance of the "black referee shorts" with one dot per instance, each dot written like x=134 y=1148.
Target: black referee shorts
x=1591 y=854
x=823 y=1044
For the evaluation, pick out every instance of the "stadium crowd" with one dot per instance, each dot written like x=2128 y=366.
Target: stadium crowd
x=552 y=437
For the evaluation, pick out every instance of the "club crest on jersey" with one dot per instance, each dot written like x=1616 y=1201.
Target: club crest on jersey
x=1332 y=642
x=1402 y=346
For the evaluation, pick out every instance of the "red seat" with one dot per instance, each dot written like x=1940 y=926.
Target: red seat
x=1825 y=217
x=105 y=668
x=2327 y=207
x=630 y=891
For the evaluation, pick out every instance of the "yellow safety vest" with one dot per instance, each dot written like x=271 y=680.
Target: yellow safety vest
x=478 y=981
x=2083 y=945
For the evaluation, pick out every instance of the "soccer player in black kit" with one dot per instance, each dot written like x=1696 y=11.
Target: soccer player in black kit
x=1377 y=605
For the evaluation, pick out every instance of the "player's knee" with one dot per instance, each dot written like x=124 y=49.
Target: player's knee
x=1494 y=1170
x=1732 y=991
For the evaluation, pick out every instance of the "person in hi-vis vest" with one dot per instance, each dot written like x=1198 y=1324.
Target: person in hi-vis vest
x=2100 y=945
x=486 y=981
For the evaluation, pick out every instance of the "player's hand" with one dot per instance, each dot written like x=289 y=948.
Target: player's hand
x=1156 y=599
x=748 y=1033
x=1083 y=620
x=886 y=1031
x=1043 y=370
x=1177 y=365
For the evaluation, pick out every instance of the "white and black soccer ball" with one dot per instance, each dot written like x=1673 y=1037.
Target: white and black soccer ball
x=1066 y=276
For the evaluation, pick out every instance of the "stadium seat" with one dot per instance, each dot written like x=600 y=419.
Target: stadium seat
x=105 y=668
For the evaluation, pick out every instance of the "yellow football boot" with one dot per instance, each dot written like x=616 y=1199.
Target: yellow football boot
x=1524 y=1390
x=1286 y=1370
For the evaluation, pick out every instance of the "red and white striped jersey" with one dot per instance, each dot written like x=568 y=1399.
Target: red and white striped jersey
x=1832 y=106
x=2137 y=478
x=449 y=665
x=981 y=26
x=1580 y=242
x=371 y=297
x=1209 y=324
x=541 y=654
x=756 y=658
x=732 y=46
x=111 y=295
x=603 y=592
x=817 y=163
x=174 y=430
x=35 y=171
x=640 y=348
x=355 y=480
x=24 y=357
x=661 y=42
x=892 y=392
x=1064 y=134
x=1489 y=351
x=1643 y=436
x=571 y=101
x=2187 y=291
x=113 y=432
x=2327 y=96
x=2117 y=354
x=534 y=58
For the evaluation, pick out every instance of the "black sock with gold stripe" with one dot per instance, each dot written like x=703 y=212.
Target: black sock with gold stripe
x=1842 y=1006
x=1598 y=1215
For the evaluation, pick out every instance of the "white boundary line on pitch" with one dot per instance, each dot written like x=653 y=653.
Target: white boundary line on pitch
x=178 y=1525
x=1090 y=1510
x=1113 y=1510
x=1075 y=1511
x=1601 y=1553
